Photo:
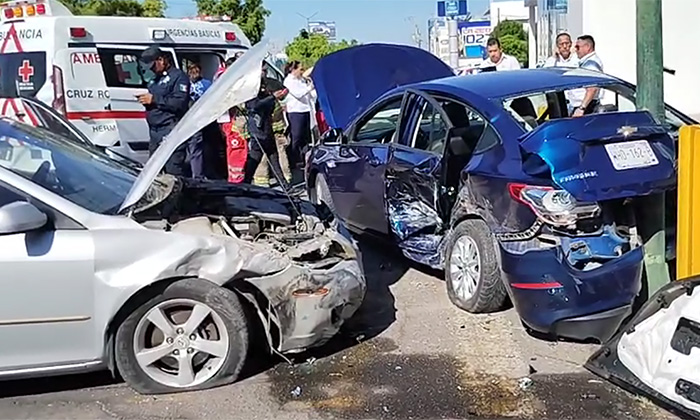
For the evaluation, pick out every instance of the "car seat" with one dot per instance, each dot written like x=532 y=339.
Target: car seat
x=523 y=107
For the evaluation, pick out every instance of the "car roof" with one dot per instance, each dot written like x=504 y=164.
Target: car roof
x=504 y=84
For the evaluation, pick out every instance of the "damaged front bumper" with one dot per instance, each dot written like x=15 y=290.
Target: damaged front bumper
x=579 y=288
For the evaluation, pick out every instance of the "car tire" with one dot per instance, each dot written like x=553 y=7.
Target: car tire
x=140 y=334
x=322 y=193
x=472 y=269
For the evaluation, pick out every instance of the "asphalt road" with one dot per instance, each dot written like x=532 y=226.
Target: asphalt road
x=408 y=354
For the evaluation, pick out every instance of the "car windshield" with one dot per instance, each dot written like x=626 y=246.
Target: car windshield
x=84 y=176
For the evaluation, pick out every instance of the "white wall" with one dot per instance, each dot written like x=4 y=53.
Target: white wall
x=612 y=24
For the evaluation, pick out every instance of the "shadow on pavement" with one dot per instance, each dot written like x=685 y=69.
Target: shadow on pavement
x=51 y=384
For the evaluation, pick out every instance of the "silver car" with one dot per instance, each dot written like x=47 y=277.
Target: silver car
x=158 y=278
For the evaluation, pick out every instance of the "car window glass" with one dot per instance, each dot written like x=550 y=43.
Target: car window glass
x=209 y=61
x=430 y=132
x=381 y=125
x=122 y=68
x=81 y=175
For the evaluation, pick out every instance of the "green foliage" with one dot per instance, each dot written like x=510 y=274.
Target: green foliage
x=152 y=8
x=250 y=15
x=513 y=39
x=309 y=48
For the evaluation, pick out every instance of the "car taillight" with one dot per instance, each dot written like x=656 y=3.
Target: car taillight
x=78 y=32
x=230 y=36
x=555 y=207
x=59 y=96
x=9 y=14
x=40 y=9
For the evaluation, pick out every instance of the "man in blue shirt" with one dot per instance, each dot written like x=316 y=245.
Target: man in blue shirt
x=166 y=102
x=195 y=147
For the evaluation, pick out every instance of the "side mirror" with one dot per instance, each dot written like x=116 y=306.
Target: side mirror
x=20 y=217
x=333 y=136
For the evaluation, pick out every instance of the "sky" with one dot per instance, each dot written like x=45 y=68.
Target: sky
x=364 y=20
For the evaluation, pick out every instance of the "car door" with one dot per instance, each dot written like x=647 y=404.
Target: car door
x=125 y=79
x=47 y=294
x=414 y=175
x=355 y=173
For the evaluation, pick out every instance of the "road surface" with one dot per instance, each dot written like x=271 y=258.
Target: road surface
x=408 y=354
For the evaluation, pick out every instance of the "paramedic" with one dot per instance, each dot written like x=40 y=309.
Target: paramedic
x=195 y=147
x=262 y=139
x=166 y=103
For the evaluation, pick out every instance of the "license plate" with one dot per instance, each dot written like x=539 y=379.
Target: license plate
x=631 y=155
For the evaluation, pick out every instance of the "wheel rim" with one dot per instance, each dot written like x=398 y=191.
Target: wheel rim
x=181 y=343
x=465 y=268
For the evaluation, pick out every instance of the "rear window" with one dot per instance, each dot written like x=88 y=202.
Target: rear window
x=22 y=74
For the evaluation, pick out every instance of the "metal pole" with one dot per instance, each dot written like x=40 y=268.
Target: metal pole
x=650 y=96
x=454 y=42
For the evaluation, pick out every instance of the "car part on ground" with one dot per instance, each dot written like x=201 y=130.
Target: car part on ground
x=656 y=352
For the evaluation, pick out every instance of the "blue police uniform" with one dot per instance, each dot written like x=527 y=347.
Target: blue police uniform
x=171 y=100
x=195 y=147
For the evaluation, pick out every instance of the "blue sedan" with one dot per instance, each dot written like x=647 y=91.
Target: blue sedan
x=488 y=178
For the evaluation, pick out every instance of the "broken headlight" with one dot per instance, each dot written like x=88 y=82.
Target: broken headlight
x=555 y=207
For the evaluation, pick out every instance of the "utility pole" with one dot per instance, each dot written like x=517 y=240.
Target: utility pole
x=307 y=18
x=650 y=96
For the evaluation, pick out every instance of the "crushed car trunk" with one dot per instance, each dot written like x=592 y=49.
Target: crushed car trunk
x=656 y=353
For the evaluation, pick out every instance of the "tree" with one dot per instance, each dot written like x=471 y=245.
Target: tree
x=153 y=8
x=309 y=48
x=249 y=15
x=513 y=39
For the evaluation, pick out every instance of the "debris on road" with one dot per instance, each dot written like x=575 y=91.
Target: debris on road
x=296 y=392
x=525 y=383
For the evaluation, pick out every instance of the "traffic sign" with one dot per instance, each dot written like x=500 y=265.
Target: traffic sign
x=452 y=8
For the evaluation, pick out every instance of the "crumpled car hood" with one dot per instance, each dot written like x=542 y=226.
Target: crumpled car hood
x=577 y=152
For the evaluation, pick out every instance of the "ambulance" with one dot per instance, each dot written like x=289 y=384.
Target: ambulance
x=86 y=67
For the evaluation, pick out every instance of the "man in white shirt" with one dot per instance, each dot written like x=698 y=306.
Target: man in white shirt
x=497 y=58
x=562 y=54
x=588 y=59
x=563 y=57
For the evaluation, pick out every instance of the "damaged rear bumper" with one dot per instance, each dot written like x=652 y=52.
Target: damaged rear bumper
x=554 y=298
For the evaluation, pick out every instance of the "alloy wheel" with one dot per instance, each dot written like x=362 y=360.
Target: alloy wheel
x=465 y=267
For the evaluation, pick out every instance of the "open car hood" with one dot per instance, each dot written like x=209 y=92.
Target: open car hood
x=604 y=156
x=349 y=80
x=240 y=83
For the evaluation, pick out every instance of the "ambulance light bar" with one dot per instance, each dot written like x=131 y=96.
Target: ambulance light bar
x=18 y=11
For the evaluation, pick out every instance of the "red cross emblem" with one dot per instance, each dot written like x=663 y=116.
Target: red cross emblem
x=26 y=71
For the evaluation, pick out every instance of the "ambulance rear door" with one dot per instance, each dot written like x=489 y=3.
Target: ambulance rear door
x=85 y=94
x=125 y=78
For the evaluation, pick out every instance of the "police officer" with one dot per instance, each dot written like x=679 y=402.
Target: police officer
x=166 y=103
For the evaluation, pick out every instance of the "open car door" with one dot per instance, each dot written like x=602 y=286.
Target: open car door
x=417 y=202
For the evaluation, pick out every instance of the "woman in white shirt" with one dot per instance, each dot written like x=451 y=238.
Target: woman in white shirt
x=299 y=107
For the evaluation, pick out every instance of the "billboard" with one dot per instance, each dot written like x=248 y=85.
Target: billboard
x=473 y=36
x=324 y=28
